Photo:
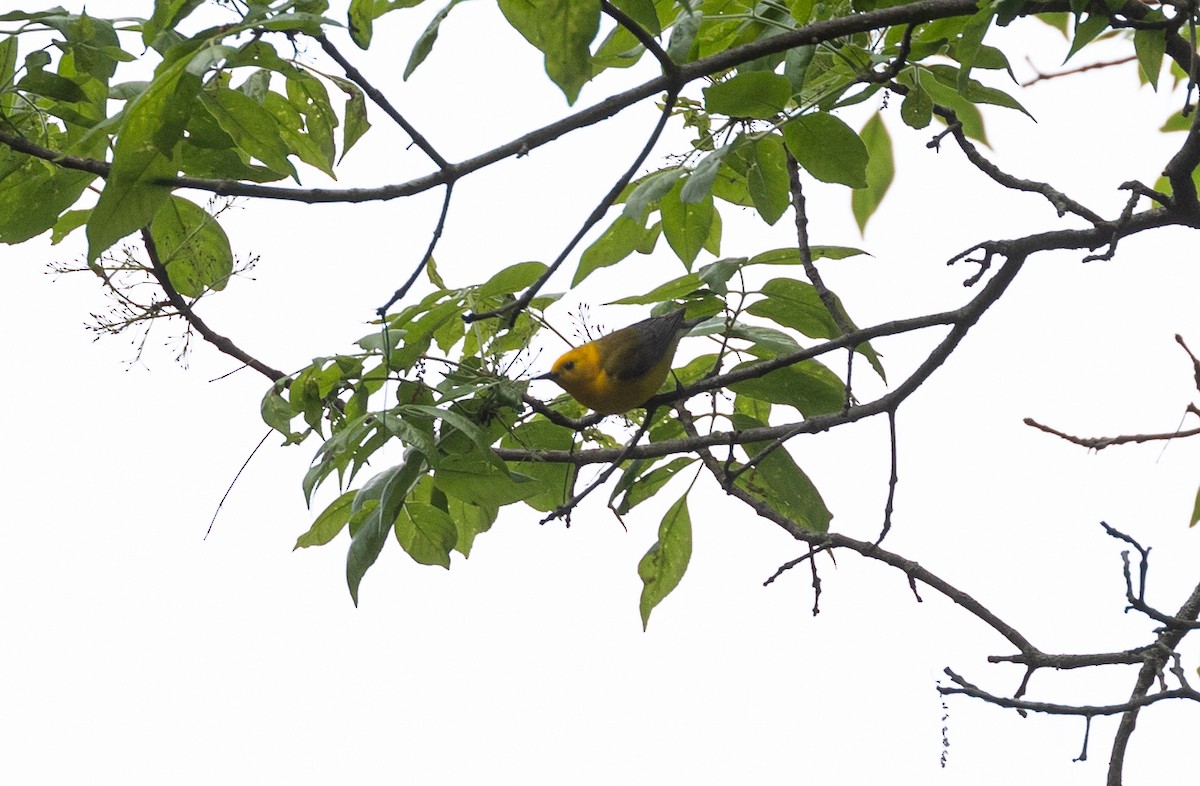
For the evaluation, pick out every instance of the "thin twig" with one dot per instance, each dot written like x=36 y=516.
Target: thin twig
x=513 y=308
x=1061 y=202
x=1041 y=77
x=889 y=71
x=566 y=508
x=1049 y=708
x=233 y=483
x=433 y=241
x=1100 y=443
x=893 y=480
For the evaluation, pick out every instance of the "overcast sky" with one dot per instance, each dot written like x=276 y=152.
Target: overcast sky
x=138 y=652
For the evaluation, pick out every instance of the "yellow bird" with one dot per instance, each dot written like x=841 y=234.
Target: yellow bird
x=621 y=371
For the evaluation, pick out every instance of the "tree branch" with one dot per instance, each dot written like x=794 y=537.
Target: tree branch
x=356 y=76
x=833 y=540
x=1100 y=443
x=1061 y=202
x=185 y=310
x=817 y=32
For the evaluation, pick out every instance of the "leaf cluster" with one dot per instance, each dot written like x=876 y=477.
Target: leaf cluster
x=233 y=106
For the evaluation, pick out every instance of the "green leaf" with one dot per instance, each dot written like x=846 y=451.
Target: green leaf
x=563 y=30
x=650 y=191
x=276 y=411
x=767 y=341
x=966 y=49
x=9 y=49
x=827 y=148
x=512 y=279
x=618 y=241
x=482 y=484
x=917 y=108
x=1177 y=122
x=309 y=96
x=427 y=533
x=795 y=65
x=881 y=169
x=355 y=112
x=808 y=386
x=1086 y=31
x=974 y=91
x=154 y=123
x=778 y=480
x=619 y=49
x=686 y=225
x=641 y=487
x=797 y=305
x=699 y=182
x=767 y=178
x=667 y=560
x=312 y=150
x=375 y=507
x=253 y=128
x=192 y=246
x=1195 y=510
x=427 y=39
x=755 y=94
x=167 y=16
x=469 y=520
x=947 y=95
x=460 y=423
x=672 y=290
x=327 y=525
x=642 y=12
x=1150 y=45
x=717 y=274
x=67 y=223
x=554 y=478
x=683 y=34
x=51 y=85
x=713 y=243
x=791 y=255
x=360 y=20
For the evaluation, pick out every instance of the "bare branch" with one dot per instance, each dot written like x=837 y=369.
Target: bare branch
x=893 y=479
x=833 y=540
x=1061 y=202
x=1100 y=443
x=1084 y=710
x=1041 y=77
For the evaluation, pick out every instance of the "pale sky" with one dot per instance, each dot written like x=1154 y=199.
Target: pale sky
x=140 y=653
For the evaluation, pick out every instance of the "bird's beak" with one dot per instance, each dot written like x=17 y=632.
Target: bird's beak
x=547 y=375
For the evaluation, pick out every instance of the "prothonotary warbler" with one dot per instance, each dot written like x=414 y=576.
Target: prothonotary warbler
x=621 y=371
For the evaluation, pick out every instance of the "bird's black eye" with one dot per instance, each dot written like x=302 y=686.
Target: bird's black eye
x=570 y=364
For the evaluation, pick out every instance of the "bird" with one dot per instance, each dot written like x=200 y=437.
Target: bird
x=622 y=370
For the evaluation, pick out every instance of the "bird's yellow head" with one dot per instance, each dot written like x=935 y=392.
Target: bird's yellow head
x=578 y=372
